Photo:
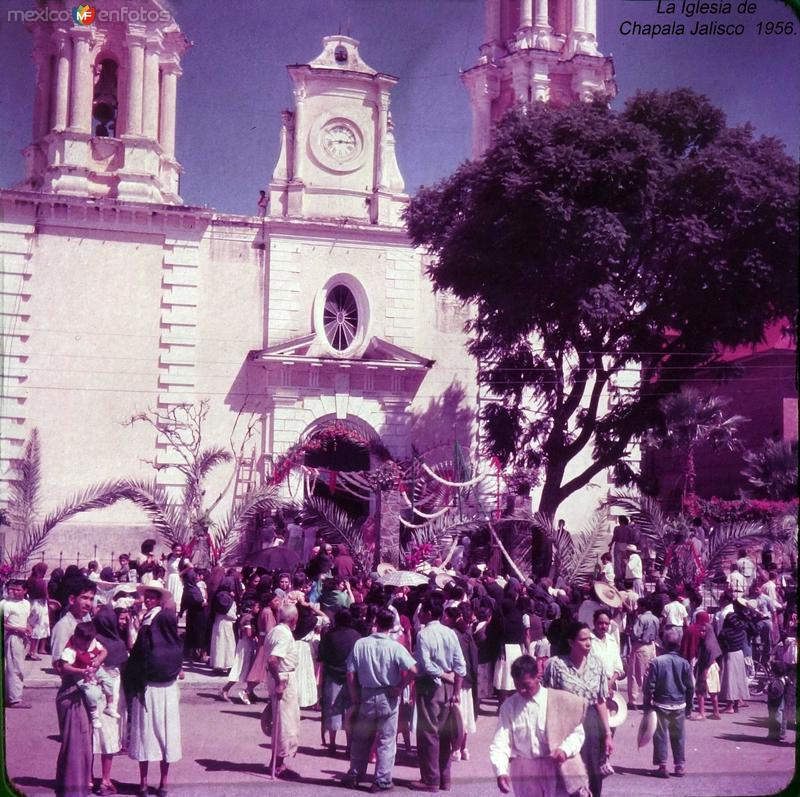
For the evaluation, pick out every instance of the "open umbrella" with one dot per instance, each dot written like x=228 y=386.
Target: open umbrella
x=404 y=578
x=278 y=558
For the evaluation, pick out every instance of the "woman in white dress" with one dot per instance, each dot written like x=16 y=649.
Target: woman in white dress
x=245 y=653
x=151 y=678
x=174 y=564
x=310 y=621
x=223 y=638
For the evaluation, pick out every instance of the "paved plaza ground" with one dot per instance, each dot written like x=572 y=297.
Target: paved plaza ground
x=225 y=752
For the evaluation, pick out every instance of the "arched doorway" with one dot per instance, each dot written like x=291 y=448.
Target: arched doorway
x=335 y=447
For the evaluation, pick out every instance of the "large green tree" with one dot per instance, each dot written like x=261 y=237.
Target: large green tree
x=595 y=242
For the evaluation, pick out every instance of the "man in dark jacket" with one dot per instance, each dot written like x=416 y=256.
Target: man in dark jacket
x=669 y=690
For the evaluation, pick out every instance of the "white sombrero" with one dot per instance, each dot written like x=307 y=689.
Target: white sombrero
x=647 y=728
x=384 y=568
x=617 y=710
x=607 y=594
x=442 y=580
x=162 y=591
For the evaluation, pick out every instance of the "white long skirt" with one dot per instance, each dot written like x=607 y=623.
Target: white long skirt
x=223 y=643
x=156 y=724
x=502 y=668
x=175 y=587
x=109 y=738
x=304 y=675
x=243 y=660
x=734 y=677
x=40 y=620
x=466 y=706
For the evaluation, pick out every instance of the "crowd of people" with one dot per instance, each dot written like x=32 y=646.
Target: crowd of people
x=381 y=661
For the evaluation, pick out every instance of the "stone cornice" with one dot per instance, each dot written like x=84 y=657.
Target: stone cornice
x=87 y=213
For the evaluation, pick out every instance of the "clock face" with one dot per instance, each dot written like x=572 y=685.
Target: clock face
x=339 y=141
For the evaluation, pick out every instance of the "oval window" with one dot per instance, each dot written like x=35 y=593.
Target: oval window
x=340 y=317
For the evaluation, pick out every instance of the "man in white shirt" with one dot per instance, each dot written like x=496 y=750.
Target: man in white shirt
x=633 y=570
x=747 y=567
x=606 y=647
x=79 y=607
x=736 y=582
x=16 y=611
x=674 y=614
x=725 y=608
x=538 y=738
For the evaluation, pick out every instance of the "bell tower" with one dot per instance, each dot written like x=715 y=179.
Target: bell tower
x=535 y=50
x=105 y=98
x=337 y=156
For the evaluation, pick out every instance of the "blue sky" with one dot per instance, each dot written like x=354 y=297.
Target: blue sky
x=235 y=83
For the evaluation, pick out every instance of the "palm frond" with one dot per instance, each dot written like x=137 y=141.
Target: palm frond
x=588 y=545
x=23 y=501
x=337 y=526
x=231 y=534
x=165 y=515
x=33 y=539
x=728 y=538
x=647 y=514
x=209 y=458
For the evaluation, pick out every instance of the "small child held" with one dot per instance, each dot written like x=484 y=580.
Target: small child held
x=83 y=656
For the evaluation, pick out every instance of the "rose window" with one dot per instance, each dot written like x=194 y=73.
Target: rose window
x=340 y=317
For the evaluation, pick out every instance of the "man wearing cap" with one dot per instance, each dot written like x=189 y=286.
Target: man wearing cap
x=633 y=569
x=378 y=670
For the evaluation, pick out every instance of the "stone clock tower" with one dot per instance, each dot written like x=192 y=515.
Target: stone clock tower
x=543 y=50
x=337 y=156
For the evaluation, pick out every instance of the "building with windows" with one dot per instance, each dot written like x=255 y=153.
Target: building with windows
x=118 y=298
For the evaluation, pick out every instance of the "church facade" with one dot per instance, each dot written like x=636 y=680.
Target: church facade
x=118 y=298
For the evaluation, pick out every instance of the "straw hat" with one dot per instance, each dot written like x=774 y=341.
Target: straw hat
x=647 y=728
x=607 y=594
x=617 y=710
x=162 y=591
x=442 y=580
x=385 y=568
x=631 y=548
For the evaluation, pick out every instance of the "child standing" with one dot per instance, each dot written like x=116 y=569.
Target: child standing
x=16 y=611
x=776 y=702
x=83 y=656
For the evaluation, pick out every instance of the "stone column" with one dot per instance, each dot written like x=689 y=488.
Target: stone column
x=80 y=107
x=383 y=126
x=152 y=91
x=299 y=130
x=133 y=111
x=542 y=14
x=591 y=18
x=578 y=16
x=492 y=20
x=43 y=92
x=170 y=72
x=60 y=100
x=526 y=14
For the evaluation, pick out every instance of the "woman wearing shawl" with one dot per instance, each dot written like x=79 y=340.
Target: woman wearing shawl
x=151 y=676
x=707 y=682
x=107 y=738
x=193 y=603
x=223 y=639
